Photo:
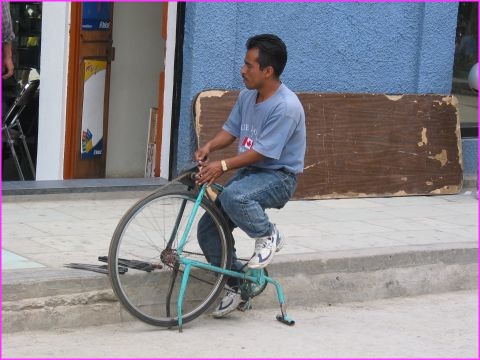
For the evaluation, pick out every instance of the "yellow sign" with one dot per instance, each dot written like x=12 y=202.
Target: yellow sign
x=92 y=67
x=93 y=108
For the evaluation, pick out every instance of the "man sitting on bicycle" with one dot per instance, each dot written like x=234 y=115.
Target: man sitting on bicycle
x=269 y=121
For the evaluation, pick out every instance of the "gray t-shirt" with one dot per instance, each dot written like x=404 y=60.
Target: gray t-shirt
x=274 y=128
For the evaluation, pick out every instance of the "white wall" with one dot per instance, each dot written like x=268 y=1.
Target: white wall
x=53 y=90
x=168 y=93
x=139 y=53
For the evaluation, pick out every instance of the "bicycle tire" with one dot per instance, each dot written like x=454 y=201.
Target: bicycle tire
x=142 y=235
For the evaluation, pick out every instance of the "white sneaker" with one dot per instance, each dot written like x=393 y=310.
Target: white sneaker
x=229 y=303
x=264 y=249
x=280 y=239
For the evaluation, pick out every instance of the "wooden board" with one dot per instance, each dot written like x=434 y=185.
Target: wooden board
x=361 y=145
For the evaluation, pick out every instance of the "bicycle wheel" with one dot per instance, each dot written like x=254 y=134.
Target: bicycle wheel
x=146 y=241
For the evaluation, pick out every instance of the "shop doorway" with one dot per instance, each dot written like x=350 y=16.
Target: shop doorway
x=464 y=68
x=114 y=82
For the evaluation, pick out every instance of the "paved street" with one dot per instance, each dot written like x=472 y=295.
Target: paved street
x=440 y=325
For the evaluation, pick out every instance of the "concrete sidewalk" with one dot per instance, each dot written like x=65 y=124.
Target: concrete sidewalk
x=337 y=251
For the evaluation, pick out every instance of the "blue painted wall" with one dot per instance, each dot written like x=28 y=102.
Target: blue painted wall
x=390 y=48
x=470 y=156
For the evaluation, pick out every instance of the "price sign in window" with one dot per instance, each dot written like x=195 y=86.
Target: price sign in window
x=96 y=16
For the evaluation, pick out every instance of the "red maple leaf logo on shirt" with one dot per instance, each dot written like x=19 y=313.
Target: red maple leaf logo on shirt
x=247 y=142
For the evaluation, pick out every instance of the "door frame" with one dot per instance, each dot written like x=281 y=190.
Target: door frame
x=74 y=167
x=73 y=89
x=174 y=26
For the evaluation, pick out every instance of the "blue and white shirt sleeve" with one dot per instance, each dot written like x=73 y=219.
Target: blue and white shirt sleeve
x=234 y=121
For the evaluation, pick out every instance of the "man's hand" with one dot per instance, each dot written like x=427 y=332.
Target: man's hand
x=201 y=155
x=220 y=141
x=209 y=173
x=7 y=63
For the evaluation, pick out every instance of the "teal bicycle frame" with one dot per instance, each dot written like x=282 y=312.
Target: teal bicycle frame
x=256 y=276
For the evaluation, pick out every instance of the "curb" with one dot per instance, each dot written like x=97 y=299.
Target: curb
x=44 y=299
x=49 y=187
x=85 y=186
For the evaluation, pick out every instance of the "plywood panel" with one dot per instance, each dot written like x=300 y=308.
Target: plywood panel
x=362 y=145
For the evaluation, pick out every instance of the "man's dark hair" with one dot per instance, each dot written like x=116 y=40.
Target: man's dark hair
x=271 y=52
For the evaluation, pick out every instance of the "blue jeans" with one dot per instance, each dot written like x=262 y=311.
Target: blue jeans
x=243 y=202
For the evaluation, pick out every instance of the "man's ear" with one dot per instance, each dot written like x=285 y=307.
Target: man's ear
x=269 y=72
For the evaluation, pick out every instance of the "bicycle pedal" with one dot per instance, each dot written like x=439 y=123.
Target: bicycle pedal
x=246 y=305
x=285 y=320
